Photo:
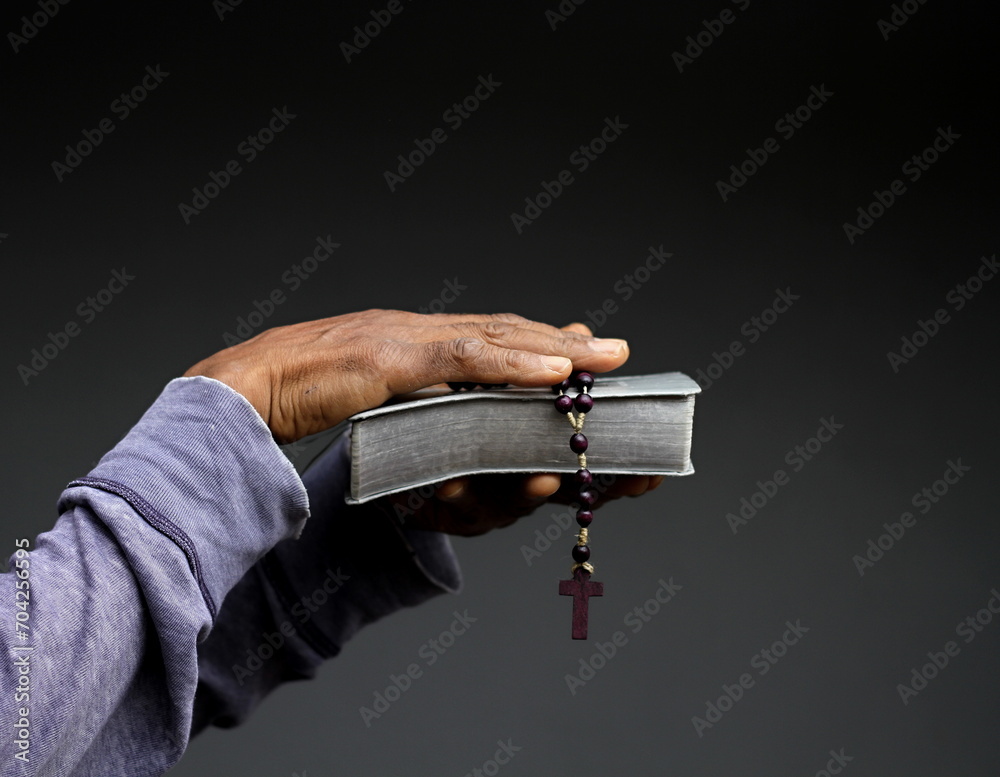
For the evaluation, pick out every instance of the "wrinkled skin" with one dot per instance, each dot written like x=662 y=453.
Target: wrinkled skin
x=308 y=377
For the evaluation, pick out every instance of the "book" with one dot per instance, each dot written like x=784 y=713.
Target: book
x=640 y=425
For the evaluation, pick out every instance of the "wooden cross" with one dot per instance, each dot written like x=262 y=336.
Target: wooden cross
x=581 y=589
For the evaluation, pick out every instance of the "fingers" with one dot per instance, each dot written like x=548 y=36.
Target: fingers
x=490 y=502
x=505 y=489
x=590 y=353
x=538 y=487
x=578 y=328
x=574 y=341
x=501 y=354
x=452 y=319
x=451 y=490
x=421 y=350
x=617 y=487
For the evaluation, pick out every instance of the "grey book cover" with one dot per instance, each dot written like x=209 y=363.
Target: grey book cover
x=640 y=425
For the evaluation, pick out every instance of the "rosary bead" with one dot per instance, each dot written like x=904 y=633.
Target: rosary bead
x=562 y=385
x=583 y=402
x=584 y=517
x=583 y=380
x=578 y=443
x=587 y=496
x=584 y=477
x=581 y=553
x=564 y=403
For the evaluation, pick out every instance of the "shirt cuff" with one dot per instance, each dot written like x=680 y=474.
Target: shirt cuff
x=354 y=564
x=202 y=468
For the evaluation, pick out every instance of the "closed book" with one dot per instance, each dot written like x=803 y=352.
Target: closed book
x=640 y=425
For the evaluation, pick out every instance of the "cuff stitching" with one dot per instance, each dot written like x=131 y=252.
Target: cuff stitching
x=159 y=522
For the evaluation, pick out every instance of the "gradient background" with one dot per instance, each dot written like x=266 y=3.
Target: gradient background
x=655 y=185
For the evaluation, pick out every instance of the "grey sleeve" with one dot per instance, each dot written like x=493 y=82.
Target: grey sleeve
x=308 y=596
x=128 y=586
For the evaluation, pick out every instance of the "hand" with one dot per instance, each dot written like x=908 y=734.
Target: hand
x=475 y=505
x=470 y=506
x=307 y=377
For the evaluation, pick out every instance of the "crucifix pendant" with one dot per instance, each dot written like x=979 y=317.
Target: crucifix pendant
x=581 y=589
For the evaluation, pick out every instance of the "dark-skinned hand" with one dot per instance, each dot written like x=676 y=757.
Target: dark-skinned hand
x=308 y=377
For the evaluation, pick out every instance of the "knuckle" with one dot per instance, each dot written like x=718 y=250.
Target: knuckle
x=494 y=330
x=465 y=350
x=512 y=361
x=362 y=354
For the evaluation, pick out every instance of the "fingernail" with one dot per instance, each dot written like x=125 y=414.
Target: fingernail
x=451 y=491
x=556 y=363
x=608 y=345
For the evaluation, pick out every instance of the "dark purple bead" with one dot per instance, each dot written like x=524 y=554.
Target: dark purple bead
x=583 y=380
x=581 y=553
x=578 y=443
x=562 y=385
x=584 y=477
x=584 y=517
x=493 y=386
x=587 y=496
x=583 y=402
x=564 y=403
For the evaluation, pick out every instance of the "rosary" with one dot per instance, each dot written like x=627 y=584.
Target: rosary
x=580 y=587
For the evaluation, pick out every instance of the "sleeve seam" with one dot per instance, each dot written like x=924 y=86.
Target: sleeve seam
x=161 y=523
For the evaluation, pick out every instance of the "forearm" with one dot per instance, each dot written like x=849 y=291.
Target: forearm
x=308 y=596
x=131 y=578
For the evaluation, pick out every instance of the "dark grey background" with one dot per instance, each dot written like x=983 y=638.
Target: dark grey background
x=655 y=185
